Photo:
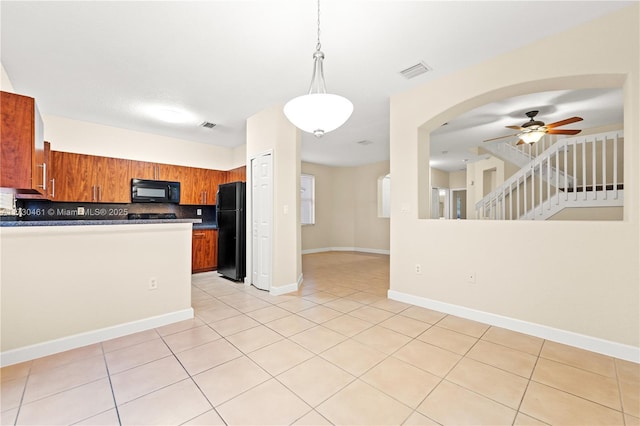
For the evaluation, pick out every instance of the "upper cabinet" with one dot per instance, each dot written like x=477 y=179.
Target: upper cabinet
x=22 y=165
x=197 y=186
x=238 y=174
x=201 y=186
x=91 y=178
x=155 y=171
x=143 y=170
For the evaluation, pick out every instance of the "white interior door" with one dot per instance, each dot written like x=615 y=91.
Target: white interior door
x=262 y=220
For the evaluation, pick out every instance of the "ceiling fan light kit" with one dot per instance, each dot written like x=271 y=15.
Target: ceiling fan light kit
x=532 y=137
x=533 y=130
x=318 y=112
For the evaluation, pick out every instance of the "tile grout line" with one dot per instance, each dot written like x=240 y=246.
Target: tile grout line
x=529 y=380
x=24 y=391
x=615 y=367
x=113 y=395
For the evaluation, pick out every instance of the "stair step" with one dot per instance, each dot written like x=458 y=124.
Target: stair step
x=590 y=188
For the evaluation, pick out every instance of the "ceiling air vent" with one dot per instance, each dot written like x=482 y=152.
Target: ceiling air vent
x=208 y=125
x=416 y=70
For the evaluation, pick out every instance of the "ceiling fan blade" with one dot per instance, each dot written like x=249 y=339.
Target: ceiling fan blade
x=563 y=132
x=514 y=127
x=500 y=137
x=563 y=122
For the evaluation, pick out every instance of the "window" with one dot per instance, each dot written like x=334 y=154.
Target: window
x=307 y=199
x=384 y=196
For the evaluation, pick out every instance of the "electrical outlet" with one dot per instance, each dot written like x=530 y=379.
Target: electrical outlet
x=153 y=283
x=418 y=269
x=198 y=212
x=471 y=278
x=80 y=211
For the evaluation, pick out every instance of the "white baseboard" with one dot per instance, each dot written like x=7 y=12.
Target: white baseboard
x=594 y=344
x=316 y=250
x=51 y=347
x=360 y=249
x=287 y=288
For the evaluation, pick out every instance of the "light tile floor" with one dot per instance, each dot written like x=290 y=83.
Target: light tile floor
x=337 y=352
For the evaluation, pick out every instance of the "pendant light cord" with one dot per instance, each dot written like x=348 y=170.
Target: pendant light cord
x=318 y=46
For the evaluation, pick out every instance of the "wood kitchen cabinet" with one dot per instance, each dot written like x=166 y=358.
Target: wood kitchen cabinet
x=204 y=250
x=207 y=185
x=199 y=186
x=50 y=186
x=22 y=166
x=55 y=159
x=90 y=178
x=155 y=171
x=143 y=170
x=238 y=174
x=172 y=173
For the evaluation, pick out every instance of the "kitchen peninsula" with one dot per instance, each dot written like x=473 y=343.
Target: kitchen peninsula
x=66 y=286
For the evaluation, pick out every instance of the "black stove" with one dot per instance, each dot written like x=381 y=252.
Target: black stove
x=150 y=216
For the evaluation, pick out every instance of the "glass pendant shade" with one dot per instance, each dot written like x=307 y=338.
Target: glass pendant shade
x=532 y=137
x=318 y=113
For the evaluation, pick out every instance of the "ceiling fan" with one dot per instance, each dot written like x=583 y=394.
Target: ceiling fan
x=533 y=130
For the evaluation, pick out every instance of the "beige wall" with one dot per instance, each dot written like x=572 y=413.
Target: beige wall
x=239 y=157
x=439 y=178
x=270 y=131
x=458 y=180
x=96 y=139
x=370 y=231
x=476 y=181
x=343 y=187
x=586 y=278
x=589 y=213
x=5 y=81
x=318 y=236
x=61 y=281
x=347 y=209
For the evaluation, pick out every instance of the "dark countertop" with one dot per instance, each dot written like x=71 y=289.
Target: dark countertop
x=205 y=226
x=19 y=223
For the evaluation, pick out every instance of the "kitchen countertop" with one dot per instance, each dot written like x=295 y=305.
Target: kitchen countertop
x=17 y=223
x=205 y=226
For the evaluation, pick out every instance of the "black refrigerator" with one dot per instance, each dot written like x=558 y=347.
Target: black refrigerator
x=230 y=213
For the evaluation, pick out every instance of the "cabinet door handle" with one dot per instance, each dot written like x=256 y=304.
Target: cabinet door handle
x=198 y=234
x=44 y=176
x=53 y=188
x=93 y=195
x=99 y=193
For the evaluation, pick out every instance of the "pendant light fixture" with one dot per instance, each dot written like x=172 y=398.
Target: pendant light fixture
x=318 y=112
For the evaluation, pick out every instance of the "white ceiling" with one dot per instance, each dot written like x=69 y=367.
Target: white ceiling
x=453 y=145
x=223 y=61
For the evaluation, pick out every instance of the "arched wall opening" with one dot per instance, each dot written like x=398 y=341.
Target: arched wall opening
x=425 y=180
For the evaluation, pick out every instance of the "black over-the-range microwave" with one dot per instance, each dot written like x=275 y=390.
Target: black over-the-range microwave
x=154 y=191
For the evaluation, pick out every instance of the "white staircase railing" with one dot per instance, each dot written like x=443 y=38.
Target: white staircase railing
x=522 y=155
x=537 y=192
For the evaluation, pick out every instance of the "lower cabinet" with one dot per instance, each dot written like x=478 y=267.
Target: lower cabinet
x=204 y=250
